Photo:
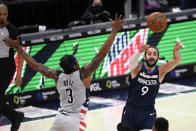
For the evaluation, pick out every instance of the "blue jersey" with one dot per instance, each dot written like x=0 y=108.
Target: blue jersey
x=143 y=89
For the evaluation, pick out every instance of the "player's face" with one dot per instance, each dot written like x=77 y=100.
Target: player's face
x=3 y=16
x=151 y=57
x=97 y=2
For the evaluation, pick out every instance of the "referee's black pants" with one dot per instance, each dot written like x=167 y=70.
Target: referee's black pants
x=7 y=70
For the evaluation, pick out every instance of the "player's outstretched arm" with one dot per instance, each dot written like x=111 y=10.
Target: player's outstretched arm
x=134 y=65
x=50 y=73
x=18 y=79
x=170 y=65
x=94 y=64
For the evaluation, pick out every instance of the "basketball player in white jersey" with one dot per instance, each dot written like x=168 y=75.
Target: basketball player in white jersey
x=73 y=81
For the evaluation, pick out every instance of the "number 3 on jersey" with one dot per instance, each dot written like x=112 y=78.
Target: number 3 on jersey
x=70 y=94
x=144 y=90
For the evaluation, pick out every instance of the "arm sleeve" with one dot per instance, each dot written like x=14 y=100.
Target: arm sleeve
x=133 y=61
x=13 y=31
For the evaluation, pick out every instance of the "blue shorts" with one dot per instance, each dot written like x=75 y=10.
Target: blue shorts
x=138 y=119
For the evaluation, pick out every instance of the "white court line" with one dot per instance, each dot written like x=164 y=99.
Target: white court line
x=99 y=109
x=178 y=95
x=178 y=112
x=157 y=99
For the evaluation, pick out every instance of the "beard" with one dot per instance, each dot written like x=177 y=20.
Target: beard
x=2 y=22
x=149 y=64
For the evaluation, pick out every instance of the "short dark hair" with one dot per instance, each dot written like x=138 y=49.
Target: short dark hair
x=154 y=48
x=123 y=127
x=3 y=6
x=161 y=124
x=3 y=2
x=67 y=62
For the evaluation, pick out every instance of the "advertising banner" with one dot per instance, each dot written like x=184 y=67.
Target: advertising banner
x=113 y=71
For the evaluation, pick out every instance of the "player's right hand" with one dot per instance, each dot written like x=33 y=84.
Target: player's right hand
x=144 y=47
x=11 y=43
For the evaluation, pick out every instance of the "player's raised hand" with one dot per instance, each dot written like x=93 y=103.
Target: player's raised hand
x=18 y=80
x=118 y=23
x=11 y=43
x=144 y=47
x=177 y=46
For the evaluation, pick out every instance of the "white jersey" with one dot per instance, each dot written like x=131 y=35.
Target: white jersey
x=4 y=50
x=72 y=92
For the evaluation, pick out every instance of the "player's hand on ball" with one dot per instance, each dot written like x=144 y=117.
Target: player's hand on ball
x=144 y=47
x=118 y=23
x=11 y=43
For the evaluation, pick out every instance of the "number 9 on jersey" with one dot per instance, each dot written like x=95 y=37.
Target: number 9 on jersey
x=144 y=90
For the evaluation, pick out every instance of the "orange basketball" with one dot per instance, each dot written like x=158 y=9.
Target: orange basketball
x=157 y=22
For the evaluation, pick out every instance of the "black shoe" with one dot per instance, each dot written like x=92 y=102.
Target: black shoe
x=16 y=123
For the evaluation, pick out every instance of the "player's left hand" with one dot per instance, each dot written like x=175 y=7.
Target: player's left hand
x=118 y=23
x=178 y=46
x=18 y=80
x=11 y=43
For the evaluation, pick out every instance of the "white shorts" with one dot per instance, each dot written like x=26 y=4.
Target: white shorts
x=68 y=122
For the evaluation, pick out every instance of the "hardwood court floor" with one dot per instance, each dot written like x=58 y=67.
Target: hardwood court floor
x=179 y=109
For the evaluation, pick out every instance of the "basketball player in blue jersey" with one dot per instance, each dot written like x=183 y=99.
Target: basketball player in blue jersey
x=139 y=112
x=72 y=82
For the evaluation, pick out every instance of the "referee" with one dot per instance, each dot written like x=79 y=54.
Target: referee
x=8 y=68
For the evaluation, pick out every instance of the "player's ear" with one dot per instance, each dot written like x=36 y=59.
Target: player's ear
x=76 y=66
x=145 y=56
